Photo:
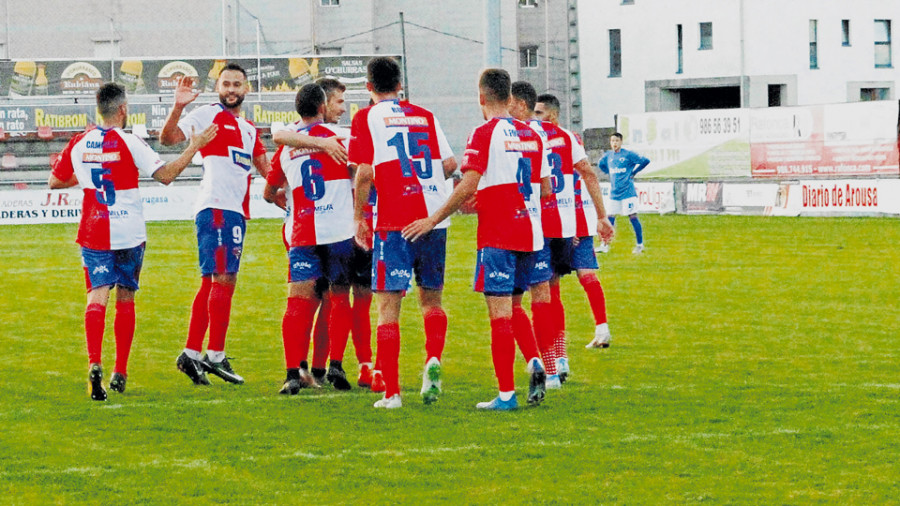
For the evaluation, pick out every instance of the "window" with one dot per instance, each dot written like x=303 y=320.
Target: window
x=527 y=3
x=528 y=57
x=615 y=53
x=845 y=32
x=813 y=44
x=680 y=51
x=867 y=94
x=706 y=36
x=331 y=3
x=776 y=93
x=882 y=43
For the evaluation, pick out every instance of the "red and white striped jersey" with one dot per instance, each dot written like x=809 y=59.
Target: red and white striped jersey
x=107 y=163
x=227 y=160
x=509 y=155
x=406 y=147
x=564 y=151
x=320 y=195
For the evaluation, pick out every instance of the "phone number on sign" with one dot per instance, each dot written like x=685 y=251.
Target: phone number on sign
x=712 y=126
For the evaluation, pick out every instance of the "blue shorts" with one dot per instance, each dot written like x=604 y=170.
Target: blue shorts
x=330 y=262
x=583 y=256
x=120 y=267
x=501 y=272
x=554 y=258
x=394 y=259
x=361 y=266
x=220 y=241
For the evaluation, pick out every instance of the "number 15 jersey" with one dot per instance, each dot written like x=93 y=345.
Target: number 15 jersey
x=406 y=147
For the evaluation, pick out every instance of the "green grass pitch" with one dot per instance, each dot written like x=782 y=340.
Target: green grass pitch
x=754 y=360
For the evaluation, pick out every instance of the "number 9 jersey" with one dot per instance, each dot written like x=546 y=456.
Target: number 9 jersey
x=406 y=147
x=319 y=194
x=106 y=163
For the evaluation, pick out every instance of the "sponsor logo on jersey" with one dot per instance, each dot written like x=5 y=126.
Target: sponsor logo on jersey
x=327 y=208
x=298 y=152
x=412 y=189
x=240 y=157
x=405 y=121
x=120 y=213
x=498 y=275
x=101 y=157
x=230 y=127
x=100 y=269
x=556 y=142
x=521 y=146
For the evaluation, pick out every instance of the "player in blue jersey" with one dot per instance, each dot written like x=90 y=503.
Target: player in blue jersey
x=622 y=165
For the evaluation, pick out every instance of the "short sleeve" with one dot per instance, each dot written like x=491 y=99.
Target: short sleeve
x=192 y=120
x=578 y=153
x=361 y=149
x=477 y=150
x=145 y=159
x=443 y=144
x=258 y=148
x=63 y=168
x=545 y=158
x=275 y=177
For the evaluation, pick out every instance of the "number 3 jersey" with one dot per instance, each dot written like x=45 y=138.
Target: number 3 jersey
x=227 y=160
x=107 y=163
x=563 y=151
x=510 y=157
x=406 y=147
x=319 y=195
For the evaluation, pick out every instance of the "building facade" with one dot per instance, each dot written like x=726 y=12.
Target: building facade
x=669 y=55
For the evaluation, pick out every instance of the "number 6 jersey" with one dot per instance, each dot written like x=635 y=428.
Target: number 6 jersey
x=319 y=194
x=406 y=147
x=106 y=163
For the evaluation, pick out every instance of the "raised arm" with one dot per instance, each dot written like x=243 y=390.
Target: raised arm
x=330 y=145
x=184 y=95
x=170 y=171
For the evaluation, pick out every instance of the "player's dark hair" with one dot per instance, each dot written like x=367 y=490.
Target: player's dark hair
x=310 y=97
x=234 y=66
x=494 y=85
x=109 y=97
x=523 y=90
x=330 y=85
x=549 y=100
x=617 y=134
x=384 y=74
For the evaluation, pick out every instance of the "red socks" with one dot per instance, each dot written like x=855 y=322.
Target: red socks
x=362 y=327
x=340 y=319
x=295 y=329
x=524 y=333
x=546 y=333
x=435 y=333
x=503 y=352
x=94 y=322
x=595 y=296
x=389 y=355
x=124 y=329
x=559 y=321
x=219 y=314
x=199 y=316
x=320 y=336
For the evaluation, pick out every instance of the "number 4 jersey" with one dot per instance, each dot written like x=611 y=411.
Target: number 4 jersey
x=406 y=147
x=107 y=163
x=320 y=200
x=510 y=157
